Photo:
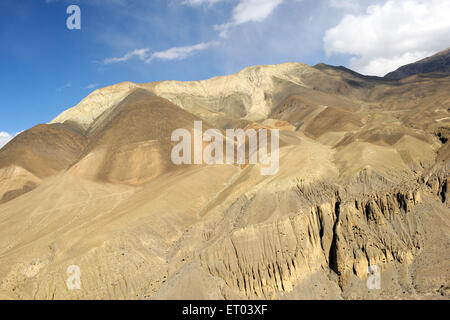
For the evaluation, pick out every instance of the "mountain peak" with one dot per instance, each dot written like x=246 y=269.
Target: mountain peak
x=440 y=62
x=253 y=84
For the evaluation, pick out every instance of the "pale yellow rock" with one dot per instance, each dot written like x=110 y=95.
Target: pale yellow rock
x=95 y=104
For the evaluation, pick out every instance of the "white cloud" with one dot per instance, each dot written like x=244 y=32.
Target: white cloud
x=175 y=53
x=382 y=66
x=388 y=36
x=91 y=86
x=344 y=4
x=249 y=11
x=5 y=137
x=254 y=10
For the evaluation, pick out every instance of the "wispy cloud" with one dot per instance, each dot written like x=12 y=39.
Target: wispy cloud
x=65 y=86
x=248 y=11
x=180 y=53
x=91 y=86
x=142 y=54
x=244 y=11
x=175 y=53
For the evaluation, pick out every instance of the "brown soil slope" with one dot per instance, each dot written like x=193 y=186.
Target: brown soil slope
x=44 y=150
x=132 y=142
x=40 y=152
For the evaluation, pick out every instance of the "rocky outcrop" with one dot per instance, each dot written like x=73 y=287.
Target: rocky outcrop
x=344 y=234
x=437 y=182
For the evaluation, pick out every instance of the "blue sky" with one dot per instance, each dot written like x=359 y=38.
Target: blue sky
x=46 y=68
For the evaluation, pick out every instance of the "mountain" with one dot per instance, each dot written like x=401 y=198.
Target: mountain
x=35 y=154
x=440 y=62
x=362 y=181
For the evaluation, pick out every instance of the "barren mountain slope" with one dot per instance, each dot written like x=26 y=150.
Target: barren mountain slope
x=42 y=151
x=363 y=181
x=131 y=143
x=439 y=62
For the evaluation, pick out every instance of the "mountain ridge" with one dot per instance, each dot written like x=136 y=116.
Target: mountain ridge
x=439 y=62
x=101 y=99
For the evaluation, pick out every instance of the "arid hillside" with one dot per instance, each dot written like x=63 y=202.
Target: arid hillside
x=439 y=62
x=363 y=180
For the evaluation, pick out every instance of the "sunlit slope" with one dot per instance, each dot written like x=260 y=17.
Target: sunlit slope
x=131 y=143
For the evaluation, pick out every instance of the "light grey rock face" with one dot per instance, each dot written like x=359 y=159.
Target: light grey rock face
x=95 y=104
